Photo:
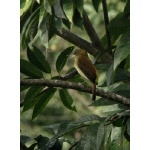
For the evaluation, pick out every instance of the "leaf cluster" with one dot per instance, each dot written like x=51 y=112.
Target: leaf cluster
x=42 y=20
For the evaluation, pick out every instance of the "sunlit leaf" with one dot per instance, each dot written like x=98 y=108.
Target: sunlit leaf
x=122 y=50
x=89 y=118
x=68 y=8
x=62 y=58
x=29 y=69
x=24 y=6
x=116 y=138
x=26 y=26
x=58 y=9
x=47 y=6
x=66 y=99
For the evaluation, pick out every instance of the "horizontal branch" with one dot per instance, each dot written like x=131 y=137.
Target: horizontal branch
x=75 y=86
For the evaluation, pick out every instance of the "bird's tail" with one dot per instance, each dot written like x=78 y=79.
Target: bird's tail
x=94 y=92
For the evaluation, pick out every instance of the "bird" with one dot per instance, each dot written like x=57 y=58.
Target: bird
x=86 y=69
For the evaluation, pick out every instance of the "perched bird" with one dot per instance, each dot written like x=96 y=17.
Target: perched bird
x=85 y=68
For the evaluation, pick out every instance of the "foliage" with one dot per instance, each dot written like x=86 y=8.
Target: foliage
x=40 y=22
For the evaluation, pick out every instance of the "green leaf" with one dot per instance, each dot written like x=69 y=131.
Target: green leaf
x=102 y=102
x=22 y=88
x=79 y=5
x=123 y=89
x=113 y=109
x=102 y=67
x=116 y=138
x=127 y=65
x=58 y=24
x=43 y=27
x=28 y=23
x=30 y=100
x=96 y=4
x=121 y=75
x=37 y=58
x=41 y=141
x=66 y=99
x=127 y=9
x=47 y=6
x=128 y=126
x=89 y=118
x=92 y=138
x=62 y=58
x=42 y=102
x=53 y=128
x=68 y=8
x=118 y=25
x=77 y=19
x=24 y=139
x=122 y=50
x=58 y=9
x=29 y=69
x=66 y=23
x=24 y=6
x=110 y=75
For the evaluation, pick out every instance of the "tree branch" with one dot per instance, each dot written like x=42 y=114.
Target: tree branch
x=78 y=41
x=75 y=86
x=106 y=20
x=91 y=32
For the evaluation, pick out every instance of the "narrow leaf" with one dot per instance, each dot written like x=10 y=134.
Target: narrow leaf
x=77 y=19
x=116 y=138
x=89 y=118
x=37 y=58
x=25 y=26
x=79 y=5
x=47 y=6
x=24 y=6
x=58 y=9
x=62 y=58
x=29 y=69
x=128 y=126
x=110 y=75
x=96 y=4
x=68 y=8
x=122 y=50
x=102 y=102
x=30 y=100
x=42 y=102
x=66 y=99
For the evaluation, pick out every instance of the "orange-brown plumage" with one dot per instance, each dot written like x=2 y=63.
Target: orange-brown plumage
x=85 y=68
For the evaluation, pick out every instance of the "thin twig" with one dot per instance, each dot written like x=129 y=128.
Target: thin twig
x=106 y=20
x=75 y=86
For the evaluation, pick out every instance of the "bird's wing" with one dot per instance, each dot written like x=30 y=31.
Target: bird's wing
x=88 y=69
